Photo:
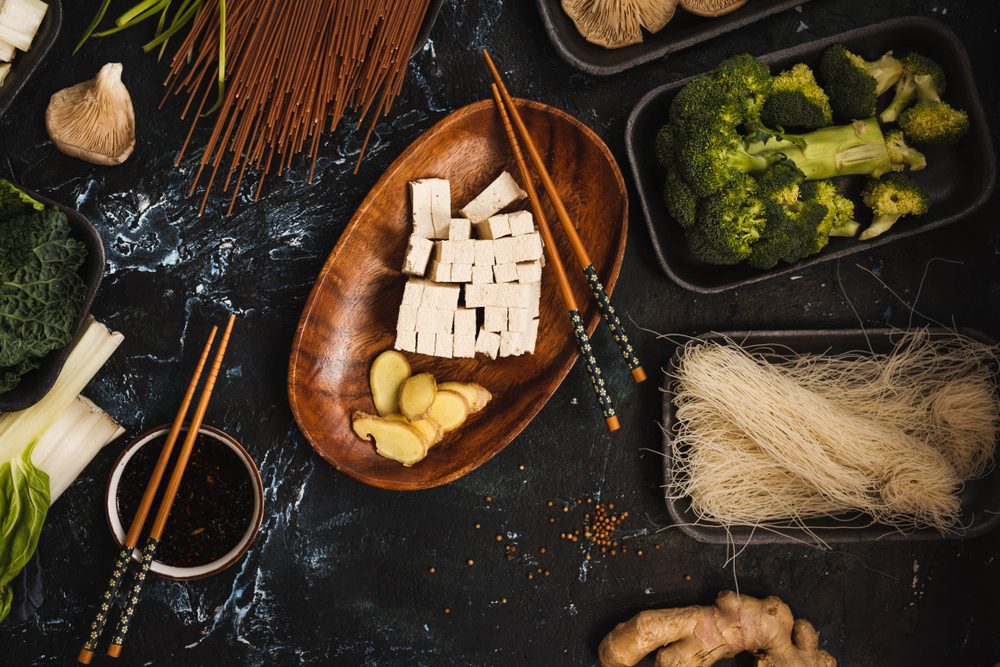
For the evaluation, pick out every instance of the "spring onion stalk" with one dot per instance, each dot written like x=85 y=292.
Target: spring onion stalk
x=20 y=21
x=92 y=348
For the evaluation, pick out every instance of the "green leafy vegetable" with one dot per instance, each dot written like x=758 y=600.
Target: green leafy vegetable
x=24 y=502
x=40 y=289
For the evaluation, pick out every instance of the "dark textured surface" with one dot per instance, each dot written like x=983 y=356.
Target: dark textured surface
x=339 y=572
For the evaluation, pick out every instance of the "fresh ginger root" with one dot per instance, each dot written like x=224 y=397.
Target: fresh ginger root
x=701 y=636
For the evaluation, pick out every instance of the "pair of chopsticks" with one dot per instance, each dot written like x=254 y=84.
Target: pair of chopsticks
x=130 y=597
x=507 y=108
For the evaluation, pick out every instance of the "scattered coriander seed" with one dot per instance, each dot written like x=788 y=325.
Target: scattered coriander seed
x=432 y=569
x=489 y=499
x=447 y=610
x=639 y=552
x=541 y=550
x=499 y=537
x=687 y=577
x=548 y=504
x=520 y=467
x=470 y=562
x=565 y=509
x=477 y=526
x=503 y=600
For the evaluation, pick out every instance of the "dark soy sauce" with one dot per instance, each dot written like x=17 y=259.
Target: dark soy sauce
x=213 y=508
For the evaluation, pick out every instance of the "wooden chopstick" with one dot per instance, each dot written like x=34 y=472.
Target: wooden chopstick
x=139 y=520
x=580 y=331
x=608 y=311
x=133 y=593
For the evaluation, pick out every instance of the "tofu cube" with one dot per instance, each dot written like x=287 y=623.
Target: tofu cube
x=494 y=227
x=440 y=272
x=529 y=272
x=418 y=253
x=505 y=250
x=443 y=345
x=488 y=343
x=521 y=223
x=465 y=346
x=494 y=319
x=420 y=203
x=510 y=344
x=465 y=322
x=529 y=248
x=493 y=295
x=425 y=319
x=444 y=252
x=465 y=252
x=426 y=342
x=484 y=253
x=498 y=195
x=530 y=337
x=518 y=320
x=475 y=296
x=440 y=296
x=533 y=296
x=413 y=292
x=406 y=341
x=440 y=207
x=460 y=229
x=461 y=273
x=505 y=273
x=407 y=319
x=444 y=319
x=482 y=275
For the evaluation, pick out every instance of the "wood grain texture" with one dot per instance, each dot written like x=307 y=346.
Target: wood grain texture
x=350 y=315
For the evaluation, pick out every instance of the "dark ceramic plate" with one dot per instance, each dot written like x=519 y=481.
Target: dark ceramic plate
x=25 y=64
x=433 y=9
x=684 y=30
x=980 y=498
x=960 y=178
x=35 y=385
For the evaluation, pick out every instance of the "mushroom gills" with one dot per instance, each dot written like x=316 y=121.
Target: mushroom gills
x=94 y=120
x=617 y=23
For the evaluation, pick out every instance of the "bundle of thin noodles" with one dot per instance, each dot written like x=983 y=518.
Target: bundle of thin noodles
x=769 y=438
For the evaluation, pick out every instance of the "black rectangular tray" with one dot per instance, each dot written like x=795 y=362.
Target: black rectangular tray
x=959 y=178
x=685 y=29
x=980 y=498
x=34 y=385
x=25 y=64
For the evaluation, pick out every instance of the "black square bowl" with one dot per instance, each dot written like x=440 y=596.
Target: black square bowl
x=34 y=385
x=980 y=498
x=960 y=178
x=25 y=64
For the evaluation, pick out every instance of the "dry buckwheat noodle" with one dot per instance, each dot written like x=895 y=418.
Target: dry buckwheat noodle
x=770 y=438
x=293 y=69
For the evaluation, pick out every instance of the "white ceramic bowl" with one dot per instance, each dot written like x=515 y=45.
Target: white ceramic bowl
x=200 y=571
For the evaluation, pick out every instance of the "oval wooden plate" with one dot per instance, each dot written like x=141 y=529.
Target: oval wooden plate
x=351 y=313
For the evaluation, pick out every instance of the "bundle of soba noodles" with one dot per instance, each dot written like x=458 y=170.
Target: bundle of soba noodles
x=767 y=438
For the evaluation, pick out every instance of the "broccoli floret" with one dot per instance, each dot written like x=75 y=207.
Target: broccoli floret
x=934 y=124
x=797 y=101
x=902 y=155
x=682 y=204
x=704 y=100
x=855 y=84
x=665 y=146
x=890 y=198
x=747 y=80
x=709 y=156
x=796 y=225
x=728 y=223
x=839 y=209
x=923 y=78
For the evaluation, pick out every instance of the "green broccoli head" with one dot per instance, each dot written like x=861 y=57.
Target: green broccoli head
x=796 y=226
x=934 y=124
x=922 y=78
x=797 y=101
x=890 y=198
x=839 y=209
x=710 y=155
x=746 y=79
x=666 y=146
x=901 y=154
x=704 y=100
x=728 y=223
x=682 y=203
x=855 y=84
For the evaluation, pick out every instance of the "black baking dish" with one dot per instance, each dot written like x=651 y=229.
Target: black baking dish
x=960 y=178
x=34 y=385
x=980 y=498
x=684 y=30
x=25 y=64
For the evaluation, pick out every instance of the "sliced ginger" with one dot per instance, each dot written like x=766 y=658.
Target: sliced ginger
x=416 y=395
x=450 y=410
x=396 y=440
x=701 y=636
x=430 y=429
x=389 y=370
x=475 y=394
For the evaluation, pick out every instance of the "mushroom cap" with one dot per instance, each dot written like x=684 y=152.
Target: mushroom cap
x=712 y=8
x=94 y=120
x=616 y=23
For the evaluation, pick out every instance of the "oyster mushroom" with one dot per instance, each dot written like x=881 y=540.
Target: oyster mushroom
x=712 y=7
x=616 y=23
x=94 y=120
